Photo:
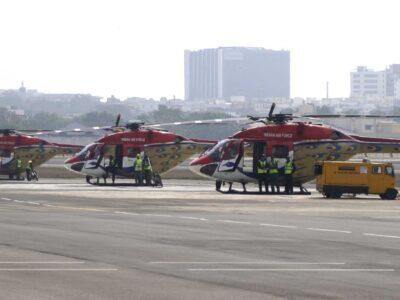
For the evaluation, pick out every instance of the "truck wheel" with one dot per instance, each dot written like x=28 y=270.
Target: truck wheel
x=390 y=194
x=336 y=195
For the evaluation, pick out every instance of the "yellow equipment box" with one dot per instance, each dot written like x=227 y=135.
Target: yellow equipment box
x=335 y=178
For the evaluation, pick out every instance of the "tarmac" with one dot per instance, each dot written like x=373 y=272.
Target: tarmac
x=65 y=239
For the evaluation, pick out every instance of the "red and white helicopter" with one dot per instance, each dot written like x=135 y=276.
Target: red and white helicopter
x=16 y=145
x=164 y=149
x=233 y=159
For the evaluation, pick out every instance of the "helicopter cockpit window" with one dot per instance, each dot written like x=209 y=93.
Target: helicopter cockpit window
x=230 y=150
x=215 y=152
x=83 y=151
x=87 y=152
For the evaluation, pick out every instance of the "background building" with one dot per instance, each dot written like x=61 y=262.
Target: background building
x=237 y=72
x=367 y=82
x=392 y=77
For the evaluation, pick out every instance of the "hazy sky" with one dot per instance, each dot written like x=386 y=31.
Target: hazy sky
x=135 y=48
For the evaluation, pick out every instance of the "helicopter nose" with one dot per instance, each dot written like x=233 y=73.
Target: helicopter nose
x=71 y=160
x=74 y=164
x=203 y=166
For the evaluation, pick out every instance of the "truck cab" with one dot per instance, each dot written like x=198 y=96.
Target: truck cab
x=335 y=178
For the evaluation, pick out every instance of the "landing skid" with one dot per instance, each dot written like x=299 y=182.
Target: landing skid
x=13 y=179
x=123 y=184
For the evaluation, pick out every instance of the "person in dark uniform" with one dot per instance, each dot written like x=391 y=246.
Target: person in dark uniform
x=147 y=170
x=273 y=174
x=288 y=170
x=262 y=173
x=111 y=168
x=28 y=170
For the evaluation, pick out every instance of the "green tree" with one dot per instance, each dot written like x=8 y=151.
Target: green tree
x=324 y=110
x=97 y=119
x=44 y=120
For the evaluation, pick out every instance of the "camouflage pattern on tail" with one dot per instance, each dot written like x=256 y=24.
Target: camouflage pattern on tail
x=164 y=157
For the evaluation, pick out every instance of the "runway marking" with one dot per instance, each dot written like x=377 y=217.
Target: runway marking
x=125 y=213
x=40 y=262
x=292 y=270
x=194 y=218
x=20 y=201
x=234 y=222
x=382 y=235
x=276 y=225
x=244 y=263
x=78 y=208
x=328 y=230
x=56 y=269
x=157 y=215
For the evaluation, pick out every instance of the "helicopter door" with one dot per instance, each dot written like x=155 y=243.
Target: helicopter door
x=259 y=149
x=231 y=155
x=118 y=156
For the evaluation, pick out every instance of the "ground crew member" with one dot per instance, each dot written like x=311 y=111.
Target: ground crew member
x=28 y=170
x=138 y=170
x=288 y=170
x=19 y=168
x=262 y=173
x=273 y=175
x=111 y=168
x=147 y=170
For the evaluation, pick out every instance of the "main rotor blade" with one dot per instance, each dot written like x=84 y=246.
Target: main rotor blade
x=348 y=116
x=199 y=122
x=77 y=131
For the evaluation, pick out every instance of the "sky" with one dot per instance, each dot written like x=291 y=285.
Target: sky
x=136 y=48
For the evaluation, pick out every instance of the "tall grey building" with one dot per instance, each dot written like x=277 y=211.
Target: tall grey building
x=226 y=72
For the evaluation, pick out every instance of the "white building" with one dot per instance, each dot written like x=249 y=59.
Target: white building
x=397 y=92
x=367 y=83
